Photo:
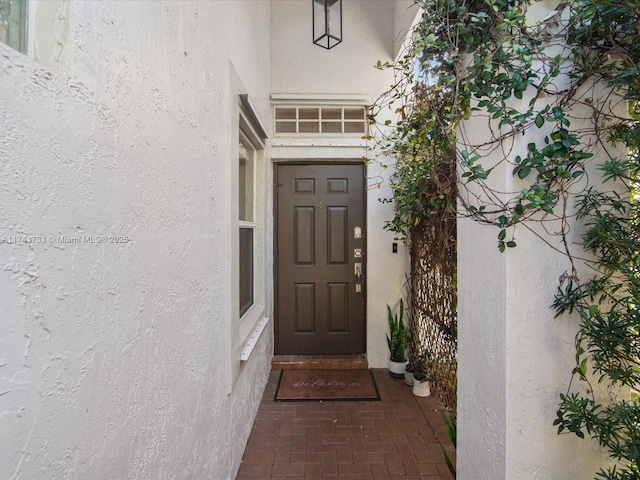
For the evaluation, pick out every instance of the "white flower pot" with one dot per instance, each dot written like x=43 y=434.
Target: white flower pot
x=421 y=388
x=408 y=378
x=396 y=369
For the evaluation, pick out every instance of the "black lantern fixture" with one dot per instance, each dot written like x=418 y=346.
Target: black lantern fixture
x=327 y=23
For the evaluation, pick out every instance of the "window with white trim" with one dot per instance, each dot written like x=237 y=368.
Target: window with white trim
x=251 y=217
x=330 y=120
x=249 y=176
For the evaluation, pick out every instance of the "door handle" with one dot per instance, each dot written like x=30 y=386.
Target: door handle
x=358 y=271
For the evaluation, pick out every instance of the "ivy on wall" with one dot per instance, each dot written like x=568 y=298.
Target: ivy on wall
x=573 y=75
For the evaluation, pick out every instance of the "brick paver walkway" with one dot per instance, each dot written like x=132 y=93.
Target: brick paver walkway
x=400 y=437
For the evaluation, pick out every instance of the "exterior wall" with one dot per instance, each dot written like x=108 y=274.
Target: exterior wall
x=405 y=16
x=515 y=358
x=482 y=354
x=116 y=358
x=370 y=32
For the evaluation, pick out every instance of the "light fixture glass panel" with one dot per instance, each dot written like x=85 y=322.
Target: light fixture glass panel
x=334 y=19
x=327 y=23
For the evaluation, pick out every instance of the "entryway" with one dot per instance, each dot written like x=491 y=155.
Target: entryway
x=400 y=437
x=320 y=258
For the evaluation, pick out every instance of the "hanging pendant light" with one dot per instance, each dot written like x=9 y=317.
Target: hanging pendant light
x=327 y=23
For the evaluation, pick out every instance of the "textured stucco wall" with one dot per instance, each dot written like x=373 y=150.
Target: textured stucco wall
x=115 y=357
x=406 y=14
x=368 y=36
x=348 y=69
x=515 y=358
x=482 y=354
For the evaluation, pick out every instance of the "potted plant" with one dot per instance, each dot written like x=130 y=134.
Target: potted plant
x=422 y=375
x=409 y=368
x=397 y=340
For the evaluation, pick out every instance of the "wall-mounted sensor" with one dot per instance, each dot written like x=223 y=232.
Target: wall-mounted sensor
x=394 y=247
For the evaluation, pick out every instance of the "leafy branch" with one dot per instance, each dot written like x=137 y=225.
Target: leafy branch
x=580 y=64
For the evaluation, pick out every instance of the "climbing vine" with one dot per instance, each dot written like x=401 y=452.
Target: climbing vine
x=573 y=75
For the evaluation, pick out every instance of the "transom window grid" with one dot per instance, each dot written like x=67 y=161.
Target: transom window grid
x=320 y=120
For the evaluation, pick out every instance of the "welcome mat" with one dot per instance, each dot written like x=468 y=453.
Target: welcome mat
x=315 y=385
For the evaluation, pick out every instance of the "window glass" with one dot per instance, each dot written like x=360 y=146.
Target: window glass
x=354 y=113
x=13 y=24
x=245 y=185
x=246 y=269
x=286 y=127
x=308 y=113
x=332 y=113
x=354 y=127
x=331 y=127
x=247 y=223
x=285 y=113
x=309 y=127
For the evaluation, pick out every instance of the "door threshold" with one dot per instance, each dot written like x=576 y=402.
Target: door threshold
x=320 y=362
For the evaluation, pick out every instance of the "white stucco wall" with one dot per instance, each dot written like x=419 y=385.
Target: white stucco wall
x=405 y=16
x=515 y=358
x=371 y=29
x=482 y=358
x=115 y=358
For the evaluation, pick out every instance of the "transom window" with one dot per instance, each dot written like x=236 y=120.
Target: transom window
x=322 y=120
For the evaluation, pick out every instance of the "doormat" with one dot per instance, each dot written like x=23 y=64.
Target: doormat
x=330 y=385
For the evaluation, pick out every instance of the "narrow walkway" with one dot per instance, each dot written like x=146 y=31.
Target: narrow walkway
x=400 y=437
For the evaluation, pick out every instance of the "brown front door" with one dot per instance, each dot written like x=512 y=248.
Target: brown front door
x=319 y=250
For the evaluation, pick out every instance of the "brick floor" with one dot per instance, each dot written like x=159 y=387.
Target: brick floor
x=319 y=362
x=401 y=437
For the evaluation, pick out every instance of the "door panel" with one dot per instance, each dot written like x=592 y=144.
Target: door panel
x=304 y=236
x=320 y=299
x=337 y=233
